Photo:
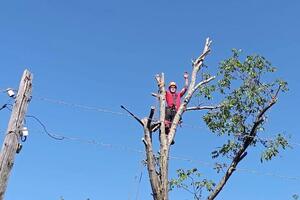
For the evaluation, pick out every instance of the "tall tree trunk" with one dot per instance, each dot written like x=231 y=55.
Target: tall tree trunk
x=159 y=180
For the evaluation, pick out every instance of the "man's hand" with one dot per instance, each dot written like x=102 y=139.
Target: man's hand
x=186 y=80
x=185 y=75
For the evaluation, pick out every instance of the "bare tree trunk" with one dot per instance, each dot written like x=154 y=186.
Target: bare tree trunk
x=154 y=178
x=164 y=143
x=166 y=139
x=159 y=179
x=151 y=163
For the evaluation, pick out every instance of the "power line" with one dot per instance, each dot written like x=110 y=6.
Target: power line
x=60 y=102
x=122 y=148
x=98 y=109
x=44 y=128
x=107 y=145
x=98 y=143
x=137 y=181
x=94 y=142
x=104 y=110
x=130 y=149
x=239 y=169
x=80 y=106
x=2 y=90
x=4 y=106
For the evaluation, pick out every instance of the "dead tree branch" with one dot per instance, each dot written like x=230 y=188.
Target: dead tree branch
x=135 y=117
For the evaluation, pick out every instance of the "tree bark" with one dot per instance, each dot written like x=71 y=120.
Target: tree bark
x=164 y=143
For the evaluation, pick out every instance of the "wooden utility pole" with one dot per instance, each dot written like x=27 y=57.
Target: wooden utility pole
x=13 y=134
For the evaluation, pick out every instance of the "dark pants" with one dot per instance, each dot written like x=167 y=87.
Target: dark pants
x=170 y=114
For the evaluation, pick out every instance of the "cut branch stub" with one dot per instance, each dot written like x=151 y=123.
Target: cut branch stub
x=150 y=117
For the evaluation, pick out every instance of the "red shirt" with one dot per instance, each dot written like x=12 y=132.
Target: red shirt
x=173 y=99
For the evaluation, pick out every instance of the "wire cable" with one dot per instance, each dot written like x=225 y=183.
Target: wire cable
x=137 y=181
x=203 y=163
x=93 y=142
x=103 y=110
x=124 y=114
x=4 y=106
x=85 y=107
x=139 y=184
x=45 y=128
x=180 y=158
x=2 y=90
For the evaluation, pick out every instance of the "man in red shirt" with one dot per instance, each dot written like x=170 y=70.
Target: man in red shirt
x=173 y=99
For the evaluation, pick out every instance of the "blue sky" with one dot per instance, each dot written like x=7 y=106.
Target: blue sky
x=106 y=53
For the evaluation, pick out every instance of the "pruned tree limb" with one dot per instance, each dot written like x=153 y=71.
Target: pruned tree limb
x=150 y=117
x=155 y=95
x=135 y=117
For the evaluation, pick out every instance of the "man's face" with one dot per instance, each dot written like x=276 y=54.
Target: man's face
x=172 y=89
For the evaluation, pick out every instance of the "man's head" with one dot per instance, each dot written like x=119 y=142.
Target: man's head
x=172 y=87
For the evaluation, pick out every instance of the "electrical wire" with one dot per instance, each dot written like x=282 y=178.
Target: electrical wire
x=139 y=184
x=4 y=106
x=180 y=158
x=80 y=106
x=94 y=142
x=118 y=113
x=137 y=180
x=45 y=128
x=103 y=110
x=203 y=163
x=98 y=109
x=98 y=143
x=239 y=169
x=8 y=103
x=3 y=90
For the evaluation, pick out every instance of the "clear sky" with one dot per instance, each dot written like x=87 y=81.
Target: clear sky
x=106 y=53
